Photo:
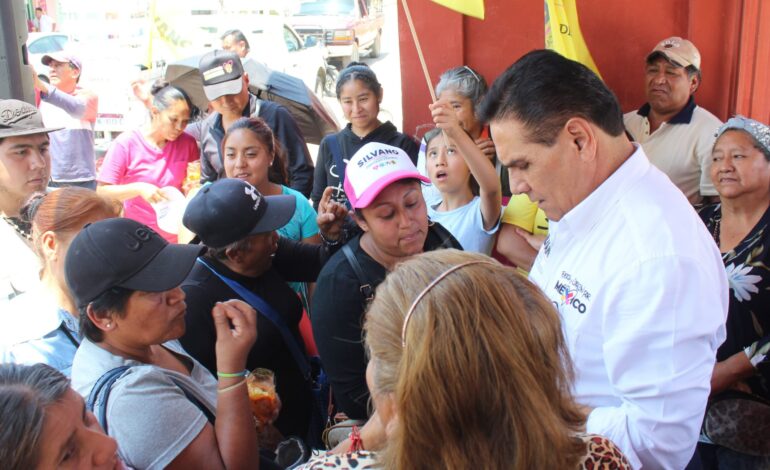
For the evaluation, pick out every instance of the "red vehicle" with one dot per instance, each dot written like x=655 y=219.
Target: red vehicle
x=346 y=27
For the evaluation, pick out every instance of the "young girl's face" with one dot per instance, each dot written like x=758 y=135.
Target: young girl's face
x=446 y=167
x=247 y=158
x=360 y=104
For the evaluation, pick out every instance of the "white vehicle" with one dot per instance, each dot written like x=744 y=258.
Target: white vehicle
x=274 y=43
x=40 y=44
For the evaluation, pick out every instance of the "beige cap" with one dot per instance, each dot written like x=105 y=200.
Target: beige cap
x=678 y=50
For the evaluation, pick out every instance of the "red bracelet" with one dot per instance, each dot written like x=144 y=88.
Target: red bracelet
x=356 y=443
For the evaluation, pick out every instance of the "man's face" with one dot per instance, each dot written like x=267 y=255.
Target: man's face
x=25 y=167
x=667 y=86
x=230 y=44
x=548 y=175
x=38 y=14
x=233 y=105
x=63 y=75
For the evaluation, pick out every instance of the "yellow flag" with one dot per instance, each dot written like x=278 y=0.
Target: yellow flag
x=562 y=32
x=473 y=8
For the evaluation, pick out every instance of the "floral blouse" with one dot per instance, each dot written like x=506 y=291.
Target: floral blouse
x=748 y=318
x=601 y=454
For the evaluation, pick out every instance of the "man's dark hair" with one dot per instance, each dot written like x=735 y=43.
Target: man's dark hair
x=543 y=90
x=110 y=302
x=39 y=9
x=238 y=36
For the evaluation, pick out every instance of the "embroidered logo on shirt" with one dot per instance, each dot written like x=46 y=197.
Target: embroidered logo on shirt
x=572 y=292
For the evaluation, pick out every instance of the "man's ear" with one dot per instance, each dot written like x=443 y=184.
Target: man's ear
x=583 y=137
x=694 y=83
x=233 y=254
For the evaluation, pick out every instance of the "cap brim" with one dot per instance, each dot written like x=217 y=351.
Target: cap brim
x=22 y=132
x=278 y=212
x=231 y=87
x=166 y=270
x=676 y=59
x=375 y=189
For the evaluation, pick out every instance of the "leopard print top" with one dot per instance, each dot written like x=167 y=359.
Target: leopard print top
x=601 y=454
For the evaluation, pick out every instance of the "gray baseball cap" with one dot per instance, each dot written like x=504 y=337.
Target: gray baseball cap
x=18 y=118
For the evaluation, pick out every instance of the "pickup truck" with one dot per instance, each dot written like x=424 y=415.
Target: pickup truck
x=345 y=27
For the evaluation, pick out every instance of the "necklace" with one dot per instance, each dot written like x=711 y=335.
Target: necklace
x=715 y=232
x=24 y=229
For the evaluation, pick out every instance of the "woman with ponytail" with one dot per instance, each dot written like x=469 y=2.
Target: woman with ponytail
x=140 y=163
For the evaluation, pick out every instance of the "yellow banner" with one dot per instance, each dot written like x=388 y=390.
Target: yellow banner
x=473 y=8
x=562 y=32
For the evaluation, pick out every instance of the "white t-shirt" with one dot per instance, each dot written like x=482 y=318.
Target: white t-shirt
x=642 y=293
x=46 y=24
x=19 y=266
x=681 y=150
x=147 y=413
x=466 y=224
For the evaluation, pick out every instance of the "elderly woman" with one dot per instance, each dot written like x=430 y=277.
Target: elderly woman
x=483 y=384
x=43 y=324
x=740 y=224
x=165 y=409
x=383 y=187
x=45 y=424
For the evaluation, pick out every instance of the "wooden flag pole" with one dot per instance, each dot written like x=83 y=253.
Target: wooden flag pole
x=419 y=50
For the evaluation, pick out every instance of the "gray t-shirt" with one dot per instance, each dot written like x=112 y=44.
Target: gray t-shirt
x=148 y=415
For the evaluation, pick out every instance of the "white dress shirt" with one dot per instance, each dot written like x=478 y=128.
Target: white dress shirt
x=642 y=293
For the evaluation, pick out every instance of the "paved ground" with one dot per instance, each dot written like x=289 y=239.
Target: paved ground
x=388 y=69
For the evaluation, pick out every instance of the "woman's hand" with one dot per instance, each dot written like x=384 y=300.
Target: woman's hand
x=535 y=241
x=730 y=372
x=331 y=215
x=487 y=147
x=150 y=193
x=445 y=118
x=236 y=325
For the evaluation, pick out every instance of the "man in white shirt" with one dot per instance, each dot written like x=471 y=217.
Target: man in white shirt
x=675 y=133
x=25 y=166
x=44 y=22
x=638 y=281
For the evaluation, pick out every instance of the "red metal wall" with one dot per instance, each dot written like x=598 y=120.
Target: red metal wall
x=733 y=37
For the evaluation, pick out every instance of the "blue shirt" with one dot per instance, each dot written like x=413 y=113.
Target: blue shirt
x=302 y=224
x=56 y=347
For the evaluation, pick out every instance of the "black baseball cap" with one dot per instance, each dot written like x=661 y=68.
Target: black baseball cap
x=19 y=118
x=230 y=209
x=124 y=253
x=221 y=72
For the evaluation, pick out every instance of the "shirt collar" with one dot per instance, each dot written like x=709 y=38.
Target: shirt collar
x=69 y=321
x=684 y=116
x=583 y=217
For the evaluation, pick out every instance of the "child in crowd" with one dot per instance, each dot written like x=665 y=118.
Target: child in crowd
x=360 y=95
x=470 y=202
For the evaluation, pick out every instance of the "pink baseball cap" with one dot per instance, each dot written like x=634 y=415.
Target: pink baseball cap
x=373 y=168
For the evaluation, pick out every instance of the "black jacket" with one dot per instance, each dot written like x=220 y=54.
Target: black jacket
x=293 y=261
x=338 y=313
x=326 y=173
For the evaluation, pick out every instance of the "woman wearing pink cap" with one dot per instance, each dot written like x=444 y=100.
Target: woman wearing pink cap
x=383 y=187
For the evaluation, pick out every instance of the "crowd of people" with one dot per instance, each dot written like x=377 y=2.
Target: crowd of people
x=542 y=282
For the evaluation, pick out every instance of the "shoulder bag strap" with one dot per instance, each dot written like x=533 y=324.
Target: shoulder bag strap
x=100 y=393
x=269 y=312
x=97 y=399
x=366 y=287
